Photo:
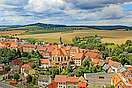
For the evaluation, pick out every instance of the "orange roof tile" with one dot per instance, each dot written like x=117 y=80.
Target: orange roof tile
x=72 y=79
x=78 y=55
x=45 y=54
x=41 y=48
x=59 y=52
x=95 y=61
x=26 y=66
x=92 y=54
x=44 y=61
x=60 y=78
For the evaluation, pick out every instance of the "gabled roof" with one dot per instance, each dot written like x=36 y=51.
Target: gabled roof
x=79 y=55
x=59 y=51
x=91 y=54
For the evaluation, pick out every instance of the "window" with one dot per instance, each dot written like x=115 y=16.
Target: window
x=65 y=58
x=61 y=58
x=58 y=58
x=101 y=77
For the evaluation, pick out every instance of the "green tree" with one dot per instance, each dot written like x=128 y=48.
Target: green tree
x=16 y=76
x=86 y=62
x=29 y=79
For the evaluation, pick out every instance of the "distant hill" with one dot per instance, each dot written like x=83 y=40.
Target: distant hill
x=42 y=26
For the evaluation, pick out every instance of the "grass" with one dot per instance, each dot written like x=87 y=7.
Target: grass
x=109 y=36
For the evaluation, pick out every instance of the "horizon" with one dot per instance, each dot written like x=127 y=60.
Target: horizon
x=66 y=24
x=66 y=12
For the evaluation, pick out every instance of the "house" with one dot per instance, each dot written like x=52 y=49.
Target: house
x=44 y=81
x=61 y=81
x=59 y=56
x=98 y=80
x=53 y=84
x=45 y=63
x=25 y=69
x=73 y=50
x=94 y=56
x=64 y=81
x=12 y=45
x=124 y=79
x=112 y=66
x=27 y=47
x=78 y=58
x=82 y=82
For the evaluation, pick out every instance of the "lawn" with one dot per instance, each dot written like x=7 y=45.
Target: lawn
x=109 y=36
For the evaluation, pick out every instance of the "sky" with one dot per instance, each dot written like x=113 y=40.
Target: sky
x=69 y=12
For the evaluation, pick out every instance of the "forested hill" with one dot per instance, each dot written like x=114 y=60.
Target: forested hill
x=42 y=26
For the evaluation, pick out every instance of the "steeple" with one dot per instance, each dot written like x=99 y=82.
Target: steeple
x=61 y=42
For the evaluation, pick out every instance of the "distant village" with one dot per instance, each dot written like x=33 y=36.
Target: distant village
x=40 y=70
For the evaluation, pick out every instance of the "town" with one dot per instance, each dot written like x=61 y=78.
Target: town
x=24 y=64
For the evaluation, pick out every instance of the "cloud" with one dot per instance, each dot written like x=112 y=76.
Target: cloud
x=44 y=5
x=93 y=4
x=65 y=11
x=112 y=12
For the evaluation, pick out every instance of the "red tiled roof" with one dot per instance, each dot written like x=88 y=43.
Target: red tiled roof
x=60 y=78
x=78 y=55
x=129 y=67
x=59 y=52
x=95 y=61
x=50 y=48
x=92 y=54
x=26 y=66
x=44 y=61
x=72 y=79
x=16 y=62
x=8 y=44
x=41 y=48
x=45 y=54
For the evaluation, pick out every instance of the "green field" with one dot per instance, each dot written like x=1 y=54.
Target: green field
x=109 y=36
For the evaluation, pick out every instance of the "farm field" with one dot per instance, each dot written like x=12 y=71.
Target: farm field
x=12 y=32
x=109 y=36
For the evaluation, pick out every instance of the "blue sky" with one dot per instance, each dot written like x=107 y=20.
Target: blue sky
x=71 y=12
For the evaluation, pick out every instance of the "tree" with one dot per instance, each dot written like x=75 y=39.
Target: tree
x=33 y=65
x=16 y=76
x=86 y=63
x=29 y=79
